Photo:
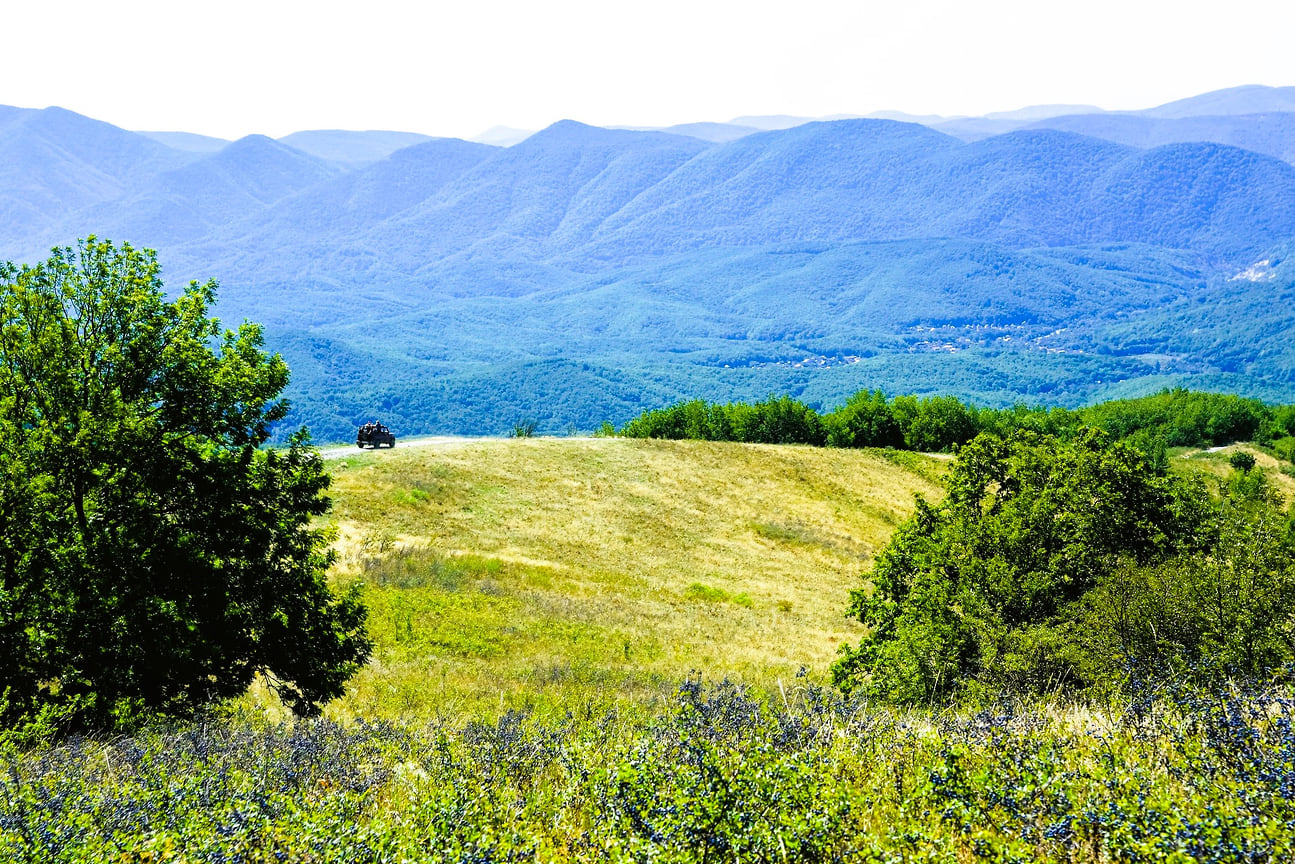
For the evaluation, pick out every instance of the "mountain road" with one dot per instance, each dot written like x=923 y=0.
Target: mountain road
x=337 y=451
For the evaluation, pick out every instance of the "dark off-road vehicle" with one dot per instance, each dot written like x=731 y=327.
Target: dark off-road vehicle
x=374 y=435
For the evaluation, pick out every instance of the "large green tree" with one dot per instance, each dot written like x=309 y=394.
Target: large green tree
x=981 y=589
x=152 y=557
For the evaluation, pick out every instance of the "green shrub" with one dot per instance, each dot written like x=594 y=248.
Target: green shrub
x=1225 y=610
x=1242 y=461
x=976 y=592
x=522 y=429
x=865 y=420
x=705 y=593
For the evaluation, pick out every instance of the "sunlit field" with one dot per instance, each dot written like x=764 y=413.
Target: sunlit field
x=541 y=572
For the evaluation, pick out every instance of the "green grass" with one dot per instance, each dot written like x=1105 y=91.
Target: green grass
x=545 y=573
x=1213 y=464
x=707 y=594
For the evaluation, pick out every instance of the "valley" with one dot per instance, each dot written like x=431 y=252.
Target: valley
x=584 y=274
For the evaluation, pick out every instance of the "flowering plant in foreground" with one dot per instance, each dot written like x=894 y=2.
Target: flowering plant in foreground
x=722 y=774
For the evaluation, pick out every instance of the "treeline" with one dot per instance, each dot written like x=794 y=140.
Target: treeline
x=1171 y=418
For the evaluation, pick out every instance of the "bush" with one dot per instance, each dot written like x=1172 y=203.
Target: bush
x=522 y=429
x=1242 y=461
x=1225 y=611
x=976 y=592
x=865 y=420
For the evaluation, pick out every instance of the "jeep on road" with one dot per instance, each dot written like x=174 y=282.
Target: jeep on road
x=374 y=435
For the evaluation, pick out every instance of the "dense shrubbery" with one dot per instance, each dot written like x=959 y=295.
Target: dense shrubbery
x=1186 y=419
x=1056 y=564
x=719 y=776
x=774 y=421
x=868 y=419
x=1172 y=418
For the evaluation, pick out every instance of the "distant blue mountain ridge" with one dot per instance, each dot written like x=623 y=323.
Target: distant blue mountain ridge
x=584 y=274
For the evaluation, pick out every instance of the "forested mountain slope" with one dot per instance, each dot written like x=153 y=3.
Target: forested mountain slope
x=586 y=273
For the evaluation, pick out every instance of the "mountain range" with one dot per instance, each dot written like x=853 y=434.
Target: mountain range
x=1056 y=254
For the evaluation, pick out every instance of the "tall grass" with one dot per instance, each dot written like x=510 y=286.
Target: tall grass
x=539 y=573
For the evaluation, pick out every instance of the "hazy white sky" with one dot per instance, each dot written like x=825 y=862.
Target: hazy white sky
x=233 y=67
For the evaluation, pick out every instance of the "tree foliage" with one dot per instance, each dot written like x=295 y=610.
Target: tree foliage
x=1228 y=611
x=865 y=420
x=776 y=420
x=1185 y=419
x=1151 y=424
x=152 y=559
x=977 y=589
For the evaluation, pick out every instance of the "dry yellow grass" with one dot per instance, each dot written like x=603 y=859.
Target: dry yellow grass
x=1214 y=463
x=556 y=567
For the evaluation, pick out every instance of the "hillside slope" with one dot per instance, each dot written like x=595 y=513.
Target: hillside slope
x=528 y=573
x=522 y=571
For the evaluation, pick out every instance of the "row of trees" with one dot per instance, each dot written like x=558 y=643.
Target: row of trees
x=1172 y=418
x=780 y=420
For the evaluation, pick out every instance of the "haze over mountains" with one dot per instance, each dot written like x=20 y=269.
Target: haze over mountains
x=583 y=274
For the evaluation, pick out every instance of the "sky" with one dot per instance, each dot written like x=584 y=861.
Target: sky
x=273 y=67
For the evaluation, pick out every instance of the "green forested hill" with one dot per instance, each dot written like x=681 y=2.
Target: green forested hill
x=993 y=326
x=586 y=273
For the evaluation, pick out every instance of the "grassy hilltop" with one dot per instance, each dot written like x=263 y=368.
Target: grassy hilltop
x=548 y=573
x=542 y=572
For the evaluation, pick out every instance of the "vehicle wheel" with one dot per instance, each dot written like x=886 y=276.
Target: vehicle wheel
x=393 y=443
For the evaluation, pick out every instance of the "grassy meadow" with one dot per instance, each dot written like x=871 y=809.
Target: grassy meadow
x=537 y=573
x=542 y=574
x=1213 y=465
